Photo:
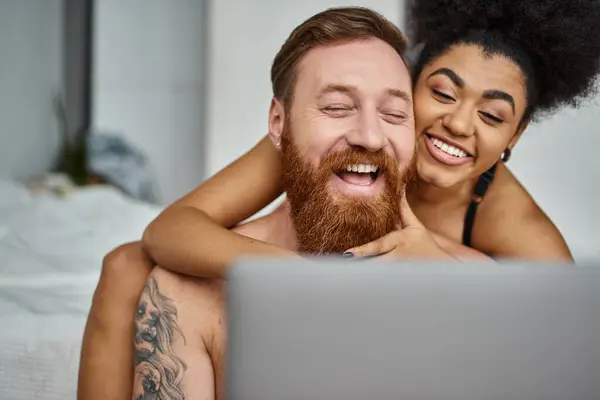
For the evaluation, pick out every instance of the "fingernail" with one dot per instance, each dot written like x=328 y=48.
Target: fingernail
x=348 y=254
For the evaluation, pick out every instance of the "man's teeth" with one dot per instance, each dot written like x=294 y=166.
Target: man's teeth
x=362 y=168
x=446 y=148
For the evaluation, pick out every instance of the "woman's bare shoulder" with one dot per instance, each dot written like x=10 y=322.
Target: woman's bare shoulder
x=506 y=195
x=511 y=224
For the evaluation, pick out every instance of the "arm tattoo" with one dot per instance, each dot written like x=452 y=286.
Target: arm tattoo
x=158 y=370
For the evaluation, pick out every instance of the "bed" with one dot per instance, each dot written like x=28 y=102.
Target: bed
x=51 y=249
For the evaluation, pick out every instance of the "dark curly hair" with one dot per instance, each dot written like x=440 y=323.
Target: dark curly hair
x=556 y=43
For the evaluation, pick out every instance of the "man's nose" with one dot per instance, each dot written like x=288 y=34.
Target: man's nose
x=460 y=121
x=369 y=134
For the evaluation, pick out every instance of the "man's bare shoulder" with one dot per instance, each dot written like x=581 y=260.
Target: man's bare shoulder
x=200 y=300
x=181 y=327
x=180 y=336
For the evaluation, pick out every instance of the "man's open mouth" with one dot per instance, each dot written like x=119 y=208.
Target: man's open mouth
x=359 y=174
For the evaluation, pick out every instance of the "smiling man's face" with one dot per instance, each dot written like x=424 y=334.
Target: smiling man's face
x=348 y=144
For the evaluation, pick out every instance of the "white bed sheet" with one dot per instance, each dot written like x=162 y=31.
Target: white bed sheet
x=51 y=251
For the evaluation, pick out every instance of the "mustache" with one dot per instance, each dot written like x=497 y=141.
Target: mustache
x=338 y=161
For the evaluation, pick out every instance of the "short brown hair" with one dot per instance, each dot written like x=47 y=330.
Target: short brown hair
x=332 y=25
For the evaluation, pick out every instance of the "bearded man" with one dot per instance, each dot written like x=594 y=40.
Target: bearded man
x=342 y=117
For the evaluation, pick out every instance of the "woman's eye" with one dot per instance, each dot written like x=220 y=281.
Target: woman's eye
x=491 y=117
x=442 y=95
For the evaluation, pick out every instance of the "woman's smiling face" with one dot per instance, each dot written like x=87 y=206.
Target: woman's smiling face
x=468 y=110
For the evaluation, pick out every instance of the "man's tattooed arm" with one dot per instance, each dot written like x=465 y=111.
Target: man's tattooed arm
x=158 y=369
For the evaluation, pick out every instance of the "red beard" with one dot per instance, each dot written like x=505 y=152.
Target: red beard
x=326 y=224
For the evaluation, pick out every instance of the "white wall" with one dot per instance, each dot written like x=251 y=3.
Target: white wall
x=30 y=75
x=148 y=84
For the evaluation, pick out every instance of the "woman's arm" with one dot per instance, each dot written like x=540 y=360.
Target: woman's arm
x=190 y=236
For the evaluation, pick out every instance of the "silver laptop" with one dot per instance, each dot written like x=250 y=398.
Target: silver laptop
x=339 y=329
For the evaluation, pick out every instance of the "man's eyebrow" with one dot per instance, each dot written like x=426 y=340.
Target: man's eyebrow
x=350 y=90
x=332 y=88
x=401 y=94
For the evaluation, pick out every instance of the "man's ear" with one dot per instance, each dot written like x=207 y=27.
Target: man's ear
x=276 y=121
x=522 y=126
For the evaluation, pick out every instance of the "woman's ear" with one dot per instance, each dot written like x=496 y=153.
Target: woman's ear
x=276 y=121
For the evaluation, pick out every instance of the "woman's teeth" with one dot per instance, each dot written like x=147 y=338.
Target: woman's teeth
x=362 y=168
x=448 y=149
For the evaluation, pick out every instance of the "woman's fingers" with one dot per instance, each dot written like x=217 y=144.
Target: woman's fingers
x=383 y=245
